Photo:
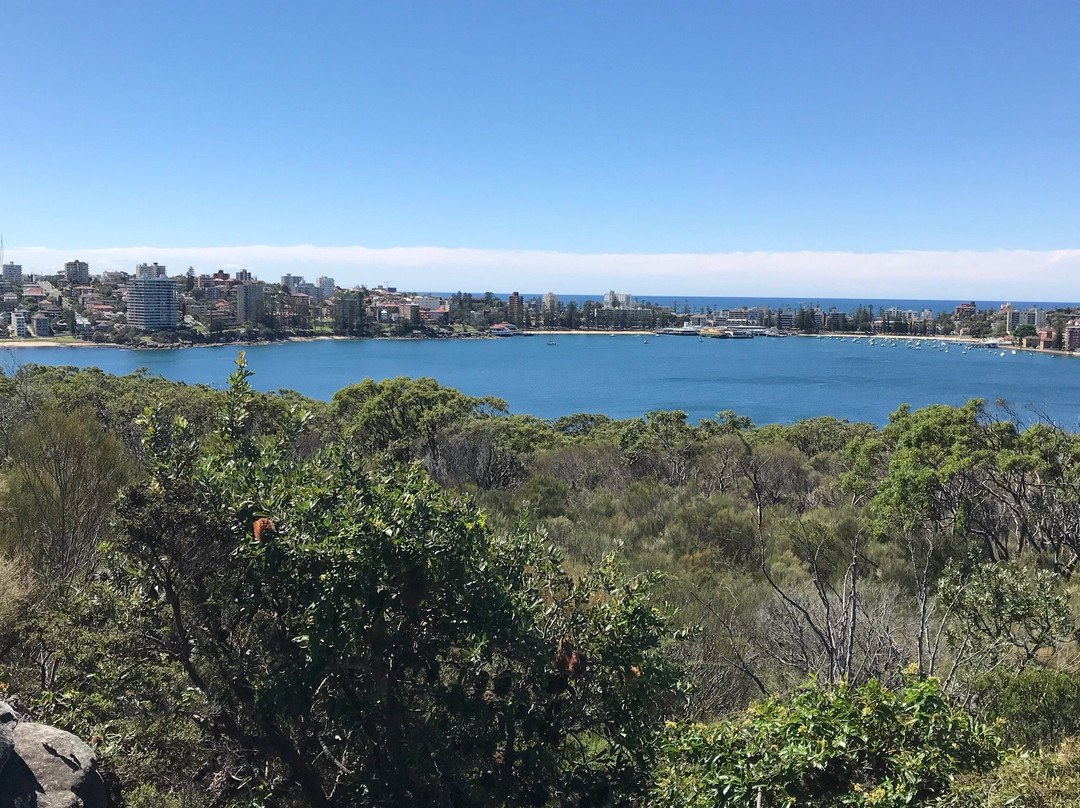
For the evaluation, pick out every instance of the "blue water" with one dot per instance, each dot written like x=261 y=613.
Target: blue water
x=770 y=380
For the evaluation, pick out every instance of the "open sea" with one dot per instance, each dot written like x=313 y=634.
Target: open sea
x=769 y=380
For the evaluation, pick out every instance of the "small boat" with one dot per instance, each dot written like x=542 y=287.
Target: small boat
x=645 y=341
x=552 y=342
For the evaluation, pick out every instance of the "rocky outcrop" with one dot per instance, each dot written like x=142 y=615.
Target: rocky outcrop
x=45 y=767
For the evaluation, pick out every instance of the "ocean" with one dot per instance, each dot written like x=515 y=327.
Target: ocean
x=769 y=380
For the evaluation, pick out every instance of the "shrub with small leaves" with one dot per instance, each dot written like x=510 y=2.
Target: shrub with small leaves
x=842 y=745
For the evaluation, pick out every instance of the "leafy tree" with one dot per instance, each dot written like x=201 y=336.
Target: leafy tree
x=367 y=640
x=662 y=444
x=62 y=477
x=1002 y=613
x=1057 y=321
x=402 y=419
x=1023 y=331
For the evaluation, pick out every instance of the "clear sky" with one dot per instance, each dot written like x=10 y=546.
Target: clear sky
x=656 y=132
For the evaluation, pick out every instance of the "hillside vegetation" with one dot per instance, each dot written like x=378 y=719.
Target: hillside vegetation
x=407 y=596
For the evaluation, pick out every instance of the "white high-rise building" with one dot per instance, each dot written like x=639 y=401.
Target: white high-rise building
x=551 y=302
x=154 y=270
x=18 y=323
x=325 y=287
x=290 y=281
x=620 y=300
x=427 y=302
x=152 y=299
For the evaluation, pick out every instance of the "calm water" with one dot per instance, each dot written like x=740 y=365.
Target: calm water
x=770 y=380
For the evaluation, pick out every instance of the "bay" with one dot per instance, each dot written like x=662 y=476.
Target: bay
x=769 y=380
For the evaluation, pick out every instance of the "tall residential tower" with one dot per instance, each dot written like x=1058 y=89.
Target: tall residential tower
x=152 y=299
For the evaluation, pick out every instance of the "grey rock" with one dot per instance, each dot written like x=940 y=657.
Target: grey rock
x=50 y=768
x=8 y=719
x=7 y=744
x=8 y=714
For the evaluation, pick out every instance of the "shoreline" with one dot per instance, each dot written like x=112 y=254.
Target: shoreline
x=53 y=342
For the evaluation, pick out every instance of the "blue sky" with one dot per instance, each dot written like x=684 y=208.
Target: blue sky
x=626 y=129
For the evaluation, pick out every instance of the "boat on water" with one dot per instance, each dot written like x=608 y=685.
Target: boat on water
x=552 y=342
x=720 y=333
x=681 y=331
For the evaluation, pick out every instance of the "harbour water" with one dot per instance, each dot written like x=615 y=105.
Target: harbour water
x=769 y=380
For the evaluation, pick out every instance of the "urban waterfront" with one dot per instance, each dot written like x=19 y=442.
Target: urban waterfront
x=769 y=380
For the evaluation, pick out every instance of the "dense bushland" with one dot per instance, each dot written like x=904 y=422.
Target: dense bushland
x=407 y=596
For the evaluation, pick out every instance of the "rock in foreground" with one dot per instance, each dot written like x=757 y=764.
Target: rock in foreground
x=45 y=767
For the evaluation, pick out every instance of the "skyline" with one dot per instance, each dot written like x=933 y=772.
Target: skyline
x=768 y=138
x=1047 y=276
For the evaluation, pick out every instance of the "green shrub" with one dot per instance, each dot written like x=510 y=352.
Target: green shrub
x=1042 y=780
x=843 y=745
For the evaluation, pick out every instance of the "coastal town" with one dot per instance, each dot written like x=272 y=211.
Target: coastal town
x=150 y=307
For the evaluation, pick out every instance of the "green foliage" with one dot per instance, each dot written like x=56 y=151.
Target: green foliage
x=932 y=448
x=1005 y=613
x=661 y=444
x=1025 y=780
x=62 y=475
x=1035 y=708
x=402 y=418
x=815 y=436
x=377 y=644
x=214 y=667
x=834 y=746
x=1023 y=331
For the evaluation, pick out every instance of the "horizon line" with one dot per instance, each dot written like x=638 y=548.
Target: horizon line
x=998 y=274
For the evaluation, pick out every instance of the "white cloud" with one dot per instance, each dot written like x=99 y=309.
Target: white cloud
x=1023 y=275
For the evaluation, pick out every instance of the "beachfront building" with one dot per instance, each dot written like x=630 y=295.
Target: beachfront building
x=515 y=309
x=1072 y=337
x=41 y=325
x=634 y=319
x=18 y=324
x=152 y=299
